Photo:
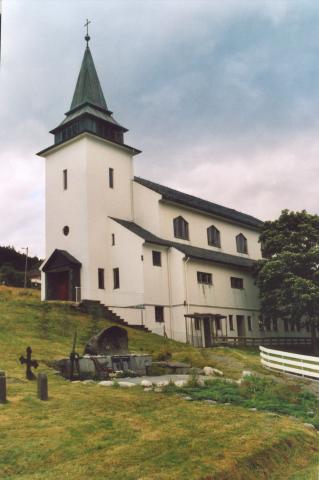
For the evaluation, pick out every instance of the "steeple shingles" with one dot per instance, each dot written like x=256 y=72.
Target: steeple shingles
x=88 y=88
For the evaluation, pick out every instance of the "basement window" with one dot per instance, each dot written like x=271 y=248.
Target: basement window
x=237 y=282
x=205 y=278
x=159 y=314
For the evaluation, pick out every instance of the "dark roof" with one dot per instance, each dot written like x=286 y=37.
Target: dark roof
x=88 y=88
x=60 y=258
x=189 y=250
x=181 y=198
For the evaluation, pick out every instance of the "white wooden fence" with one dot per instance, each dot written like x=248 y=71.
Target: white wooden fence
x=304 y=365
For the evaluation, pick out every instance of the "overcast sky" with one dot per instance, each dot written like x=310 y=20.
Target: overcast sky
x=222 y=97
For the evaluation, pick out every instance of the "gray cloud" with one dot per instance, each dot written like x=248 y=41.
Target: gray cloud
x=222 y=97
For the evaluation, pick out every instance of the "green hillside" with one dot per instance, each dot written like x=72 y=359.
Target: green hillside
x=88 y=431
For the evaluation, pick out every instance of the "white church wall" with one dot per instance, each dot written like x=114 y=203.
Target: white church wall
x=104 y=201
x=198 y=224
x=126 y=255
x=220 y=293
x=68 y=207
x=146 y=208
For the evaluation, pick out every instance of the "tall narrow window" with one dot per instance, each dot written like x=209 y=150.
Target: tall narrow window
x=159 y=314
x=213 y=236
x=100 y=274
x=274 y=324
x=65 y=179
x=286 y=325
x=231 y=322
x=111 y=177
x=157 y=258
x=180 y=228
x=113 y=238
x=241 y=243
x=249 y=324
x=116 y=278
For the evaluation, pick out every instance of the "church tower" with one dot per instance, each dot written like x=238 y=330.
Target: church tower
x=89 y=175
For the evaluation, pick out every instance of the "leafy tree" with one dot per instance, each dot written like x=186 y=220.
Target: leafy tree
x=288 y=276
x=10 y=276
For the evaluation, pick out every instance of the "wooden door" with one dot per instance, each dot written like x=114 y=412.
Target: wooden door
x=240 y=325
x=207 y=332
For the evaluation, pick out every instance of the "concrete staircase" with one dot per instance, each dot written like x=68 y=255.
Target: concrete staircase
x=96 y=307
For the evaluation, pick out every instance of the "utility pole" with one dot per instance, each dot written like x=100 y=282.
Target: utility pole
x=26 y=265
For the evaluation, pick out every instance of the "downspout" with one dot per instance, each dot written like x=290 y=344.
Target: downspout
x=186 y=285
x=169 y=283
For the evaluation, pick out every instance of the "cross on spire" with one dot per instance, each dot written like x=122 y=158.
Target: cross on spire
x=87 y=37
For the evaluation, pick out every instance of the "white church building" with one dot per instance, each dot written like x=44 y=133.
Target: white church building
x=179 y=265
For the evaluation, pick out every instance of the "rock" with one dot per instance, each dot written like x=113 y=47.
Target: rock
x=309 y=425
x=187 y=398
x=164 y=383
x=106 y=383
x=228 y=403
x=217 y=372
x=146 y=383
x=211 y=402
x=76 y=381
x=148 y=389
x=126 y=384
x=253 y=409
x=246 y=373
x=157 y=390
x=180 y=383
x=88 y=381
x=311 y=413
x=208 y=371
x=240 y=381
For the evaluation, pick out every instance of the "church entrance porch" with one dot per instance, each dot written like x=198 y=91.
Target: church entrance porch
x=62 y=272
x=204 y=329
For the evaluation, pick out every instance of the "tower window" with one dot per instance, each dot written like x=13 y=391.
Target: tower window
x=66 y=230
x=116 y=278
x=180 y=228
x=157 y=258
x=237 y=282
x=213 y=236
x=159 y=314
x=241 y=243
x=100 y=274
x=65 y=179
x=111 y=177
x=113 y=239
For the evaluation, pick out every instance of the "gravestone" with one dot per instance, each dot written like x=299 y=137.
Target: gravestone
x=29 y=364
x=3 y=387
x=43 y=386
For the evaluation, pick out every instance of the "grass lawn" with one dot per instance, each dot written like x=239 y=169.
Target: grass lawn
x=88 y=431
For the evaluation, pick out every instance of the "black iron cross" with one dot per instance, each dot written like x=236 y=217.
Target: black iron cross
x=29 y=363
x=87 y=36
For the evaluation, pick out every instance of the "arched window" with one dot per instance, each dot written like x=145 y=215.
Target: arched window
x=241 y=243
x=180 y=228
x=213 y=236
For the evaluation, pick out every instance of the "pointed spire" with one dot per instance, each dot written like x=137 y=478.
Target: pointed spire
x=88 y=88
